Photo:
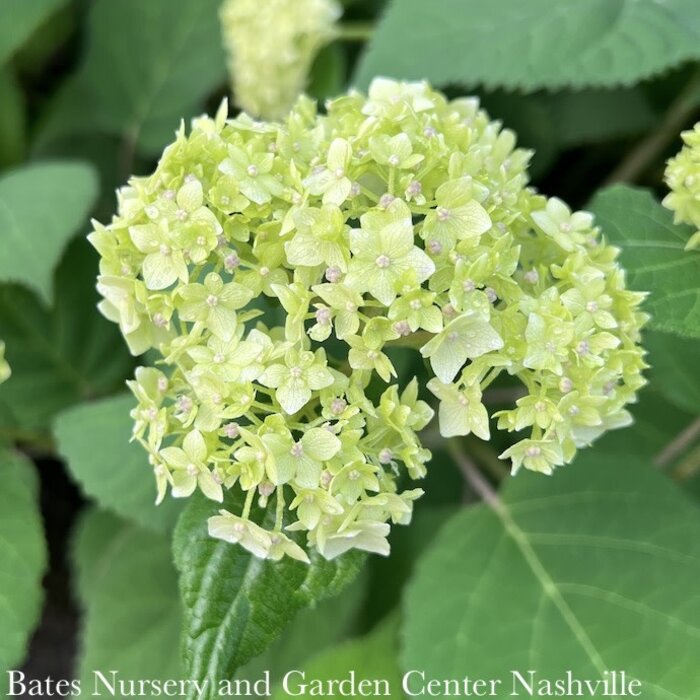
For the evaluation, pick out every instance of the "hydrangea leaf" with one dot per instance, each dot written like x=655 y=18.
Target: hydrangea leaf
x=538 y=44
x=141 y=87
x=65 y=354
x=94 y=534
x=41 y=208
x=19 y=19
x=567 y=566
x=132 y=609
x=23 y=554
x=117 y=475
x=312 y=630
x=235 y=604
x=654 y=256
x=12 y=119
x=371 y=657
x=674 y=371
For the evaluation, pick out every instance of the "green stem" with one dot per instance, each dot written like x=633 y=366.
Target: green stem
x=473 y=448
x=654 y=144
x=355 y=31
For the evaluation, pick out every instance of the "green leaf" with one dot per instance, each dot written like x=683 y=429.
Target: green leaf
x=592 y=116
x=328 y=73
x=23 y=556
x=12 y=119
x=235 y=604
x=117 y=475
x=674 y=372
x=531 y=45
x=19 y=19
x=59 y=356
x=147 y=65
x=653 y=253
x=311 y=631
x=41 y=207
x=94 y=534
x=132 y=611
x=371 y=658
x=594 y=568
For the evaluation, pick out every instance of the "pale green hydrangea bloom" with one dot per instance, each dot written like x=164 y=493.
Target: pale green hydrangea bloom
x=272 y=266
x=271 y=46
x=5 y=370
x=683 y=179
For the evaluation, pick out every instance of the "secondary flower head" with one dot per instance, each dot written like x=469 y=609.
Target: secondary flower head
x=276 y=284
x=271 y=47
x=683 y=179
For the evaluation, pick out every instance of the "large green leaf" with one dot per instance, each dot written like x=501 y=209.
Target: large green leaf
x=534 y=44
x=235 y=604
x=41 y=207
x=370 y=658
x=653 y=253
x=117 y=475
x=674 y=372
x=146 y=66
x=19 y=19
x=12 y=119
x=59 y=356
x=593 y=569
x=132 y=609
x=311 y=631
x=23 y=556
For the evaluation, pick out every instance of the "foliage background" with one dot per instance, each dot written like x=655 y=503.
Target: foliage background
x=553 y=574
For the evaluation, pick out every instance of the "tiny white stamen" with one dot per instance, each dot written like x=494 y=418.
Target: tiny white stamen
x=383 y=261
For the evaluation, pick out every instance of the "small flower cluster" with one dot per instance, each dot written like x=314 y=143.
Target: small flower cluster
x=5 y=370
x=271 y=46
x=683 y=179
x=273 y=266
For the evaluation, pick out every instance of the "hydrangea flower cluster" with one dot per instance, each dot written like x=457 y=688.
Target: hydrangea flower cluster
x=268 y=76
x=273 y=265
x=683 y=179
x=5 y=370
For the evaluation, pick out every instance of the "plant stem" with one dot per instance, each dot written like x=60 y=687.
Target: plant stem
x=688 y=467
x=654 y=144
x=355 y=31
x=473 y=476
x=678 y=445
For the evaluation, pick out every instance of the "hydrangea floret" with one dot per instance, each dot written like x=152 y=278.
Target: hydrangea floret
x=683 y=179
x=271 y=47
x=272 y=267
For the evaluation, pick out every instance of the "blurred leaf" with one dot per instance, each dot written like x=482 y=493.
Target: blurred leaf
x=557 y=577
x=327 y=77
x=235 y=604
x=591 y=116
x=674 y=368
x=19 y=19
x=371 y=658
x=656 y=423
x=95 y=533
x=531 y=45
x=132 y=610
x=12 y=118
x=118 y=476
x=311 y=631
x=388 y=575
x=654 y=256
x=23 y=555
x=41 y=207
x=147 y=65
x=62 y=355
